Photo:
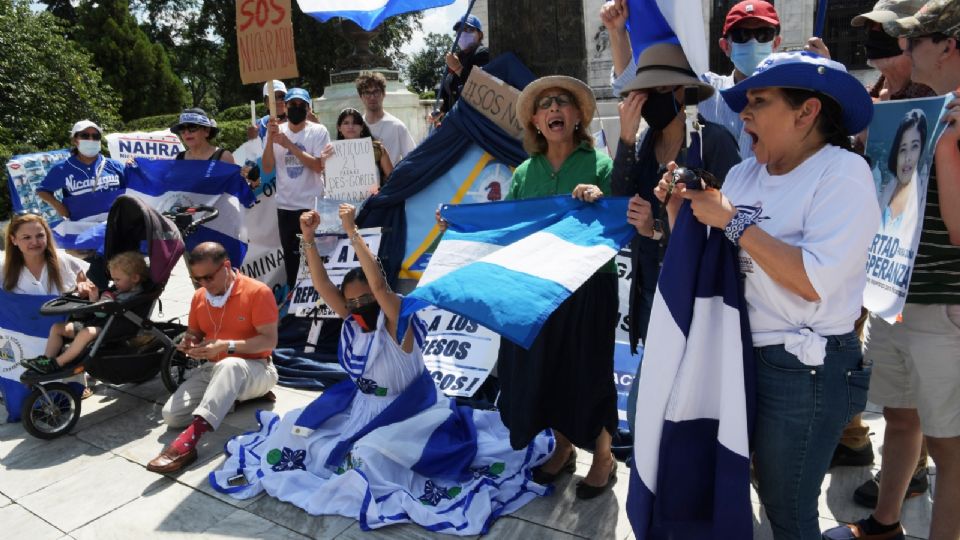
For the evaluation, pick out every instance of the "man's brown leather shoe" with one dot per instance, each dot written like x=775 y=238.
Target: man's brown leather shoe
x=169 y=461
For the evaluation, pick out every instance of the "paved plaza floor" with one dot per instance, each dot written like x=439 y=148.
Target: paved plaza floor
x=93 y=484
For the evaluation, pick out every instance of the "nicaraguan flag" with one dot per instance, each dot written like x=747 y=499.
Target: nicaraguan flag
x=23 y=334
x=673 y=21
x=366 y=13
x=164 y=184
x=508 y=265
x=87 y=234
x=691 y=472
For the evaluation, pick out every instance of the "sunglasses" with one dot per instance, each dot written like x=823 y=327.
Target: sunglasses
x=360 y=301
x=743 y=35
x=561 y=100
x=914 y=41
x=191 y=128
x=88 y=136
x=209 y=277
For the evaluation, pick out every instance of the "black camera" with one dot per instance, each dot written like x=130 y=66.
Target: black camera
x=692 y=178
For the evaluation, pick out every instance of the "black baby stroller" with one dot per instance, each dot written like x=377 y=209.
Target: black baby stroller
x=130 y=348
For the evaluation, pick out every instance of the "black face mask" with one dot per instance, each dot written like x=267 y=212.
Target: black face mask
x=366 y=316
x=881 y=45
x=296 y=115
x=660 y=109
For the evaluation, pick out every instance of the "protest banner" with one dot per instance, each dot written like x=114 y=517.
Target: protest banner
x=477 y=177
x=459 y=353
x=161 y=144
x=494 y=99
x=625 y=365
x=265 y=41
x=24 y=174
x=901 y=142
x=339 y=257
x=350 y=174
x=23 y=334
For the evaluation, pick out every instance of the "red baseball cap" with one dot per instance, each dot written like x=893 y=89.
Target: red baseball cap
x=760 y=10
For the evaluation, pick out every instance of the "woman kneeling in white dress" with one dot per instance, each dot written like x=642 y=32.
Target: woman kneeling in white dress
x=385 y=446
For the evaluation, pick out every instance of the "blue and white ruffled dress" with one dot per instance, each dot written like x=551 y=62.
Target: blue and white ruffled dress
x=386 y=446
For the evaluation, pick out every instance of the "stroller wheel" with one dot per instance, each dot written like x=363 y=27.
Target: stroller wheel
x=176 y=366
x=50 y=410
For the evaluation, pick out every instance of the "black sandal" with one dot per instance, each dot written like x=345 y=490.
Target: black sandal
x=543 y=478
x=586 y=491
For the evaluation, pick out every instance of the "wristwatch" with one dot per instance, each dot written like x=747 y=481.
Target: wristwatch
x=231 y=346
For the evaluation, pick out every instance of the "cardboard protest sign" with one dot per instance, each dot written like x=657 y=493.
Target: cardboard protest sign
x=494 y=99
x=351 y=172
x=265 y=41
x=151 y=145
x=901 y=143
x=24 y=173
x=459 y=353
x=339 y=258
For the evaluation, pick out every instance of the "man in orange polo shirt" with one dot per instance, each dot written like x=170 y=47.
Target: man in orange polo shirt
x=233 y=326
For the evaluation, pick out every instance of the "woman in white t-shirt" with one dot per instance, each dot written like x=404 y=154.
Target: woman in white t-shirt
x=803 y=212
x=32 y=264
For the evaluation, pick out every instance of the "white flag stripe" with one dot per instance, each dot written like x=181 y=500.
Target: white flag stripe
x=453 y=254
x=705 y=378
x=570 y=264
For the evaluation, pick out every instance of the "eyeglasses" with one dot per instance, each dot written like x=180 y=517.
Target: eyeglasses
x=360 y=301
x=191 y=128
x=372 y=93
x=743 y=35
x=88 y=136
x=561 y=100
x=209 y=277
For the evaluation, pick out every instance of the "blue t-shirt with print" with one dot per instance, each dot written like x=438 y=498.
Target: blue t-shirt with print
x=87 y=190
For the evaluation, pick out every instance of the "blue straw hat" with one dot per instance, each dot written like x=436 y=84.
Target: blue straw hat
x=806 y=71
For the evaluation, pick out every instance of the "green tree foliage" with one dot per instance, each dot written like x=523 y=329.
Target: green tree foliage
x=138 y=69
x=320 y=48
x=46 y=84
x=424 y=70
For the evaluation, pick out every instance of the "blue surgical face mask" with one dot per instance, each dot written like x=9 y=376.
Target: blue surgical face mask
x=746 y=56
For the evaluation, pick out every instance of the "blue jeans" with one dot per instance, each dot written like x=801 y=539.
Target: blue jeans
x=801 y=411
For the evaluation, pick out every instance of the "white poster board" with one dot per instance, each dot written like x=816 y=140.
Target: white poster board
x=339 y=258
x=151 y=145
x=459 y=353
x=351 y=172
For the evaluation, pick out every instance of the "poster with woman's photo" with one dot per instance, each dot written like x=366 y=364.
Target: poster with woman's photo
x=900 y=147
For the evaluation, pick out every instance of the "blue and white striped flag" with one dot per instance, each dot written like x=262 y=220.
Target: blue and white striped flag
x=672 y=21
x=508 y=265
x=86 y=234
x=164 y=184
x=366 y=13
x=23 y=334
x=691 y=472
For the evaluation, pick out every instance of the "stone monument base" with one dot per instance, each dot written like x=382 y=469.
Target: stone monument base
x=399 y=101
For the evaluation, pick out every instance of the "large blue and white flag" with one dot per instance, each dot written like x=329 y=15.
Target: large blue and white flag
x=672 y=21
x=691 y=472
x=508 y=265
x=23 y=334
x=366 y=13
x=164 y=184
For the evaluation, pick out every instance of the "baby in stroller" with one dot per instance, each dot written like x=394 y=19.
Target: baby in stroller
x=129 y=273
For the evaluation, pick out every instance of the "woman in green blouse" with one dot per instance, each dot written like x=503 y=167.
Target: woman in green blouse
x=565 y=380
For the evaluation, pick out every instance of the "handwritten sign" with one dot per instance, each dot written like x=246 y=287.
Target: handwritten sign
x=494 y=99
x=339 y=257
x=351 y=172
x=265 y=41
x=458 y=352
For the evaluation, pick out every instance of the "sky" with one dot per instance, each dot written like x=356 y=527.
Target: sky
x=438 y=20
